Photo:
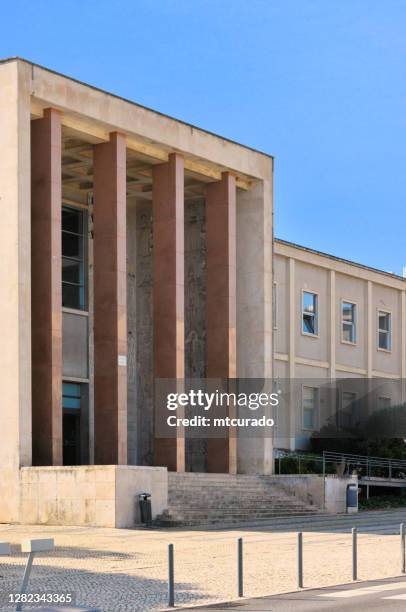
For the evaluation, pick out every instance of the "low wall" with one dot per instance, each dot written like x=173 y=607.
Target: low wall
x=100 y=495
x=328 y=493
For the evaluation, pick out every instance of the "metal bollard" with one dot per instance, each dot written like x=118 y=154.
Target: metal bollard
x=171 y=577
x=402 y=549
x=300 y=560
x=240 y=569
x=354 y=553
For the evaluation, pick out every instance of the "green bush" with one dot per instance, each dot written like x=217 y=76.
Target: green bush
x=383 y=502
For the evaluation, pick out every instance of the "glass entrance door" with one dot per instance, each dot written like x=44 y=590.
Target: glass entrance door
x=71 y=406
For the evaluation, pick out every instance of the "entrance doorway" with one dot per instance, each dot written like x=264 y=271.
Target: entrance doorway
x=71 y=438
x=75 y=423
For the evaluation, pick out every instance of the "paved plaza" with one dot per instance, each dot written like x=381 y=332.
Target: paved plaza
x=125 y=570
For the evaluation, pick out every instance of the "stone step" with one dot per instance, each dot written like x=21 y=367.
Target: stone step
x=208 y=499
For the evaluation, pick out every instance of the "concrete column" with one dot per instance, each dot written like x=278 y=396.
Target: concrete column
x=293 y=326
x=221 y=306
x=403 y=345
x=46 y=295
x=15 y=282
x=110 y=301
x=168 y=292
x=254 y=308
x=331 y=290
x=15 y=266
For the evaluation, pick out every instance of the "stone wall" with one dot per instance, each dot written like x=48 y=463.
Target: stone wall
x=195 y=315
x=103 y=496
x=329 y=493
x=144 y=335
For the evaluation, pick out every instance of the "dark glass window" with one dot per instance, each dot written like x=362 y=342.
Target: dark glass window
x=73 y=258
x=71 y=396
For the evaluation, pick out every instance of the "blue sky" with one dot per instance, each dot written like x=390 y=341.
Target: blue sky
x=319 y=84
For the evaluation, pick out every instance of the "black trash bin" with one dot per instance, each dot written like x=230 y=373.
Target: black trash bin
x=145 y=508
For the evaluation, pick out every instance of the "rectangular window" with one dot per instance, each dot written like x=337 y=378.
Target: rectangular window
x=310 y=404
x=384 y=330
x=348 y=406
x=309 y=313
x=71 y=396
x=384 y=403
x=348 y=314
x=73 y=258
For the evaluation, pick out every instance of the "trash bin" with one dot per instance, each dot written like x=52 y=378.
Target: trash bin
x=352 y=498
x=145 y=508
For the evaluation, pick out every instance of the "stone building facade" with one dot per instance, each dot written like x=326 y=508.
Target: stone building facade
x=135 y=247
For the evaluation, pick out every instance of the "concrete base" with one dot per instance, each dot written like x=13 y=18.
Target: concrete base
x=99 y=495
x=328 y=493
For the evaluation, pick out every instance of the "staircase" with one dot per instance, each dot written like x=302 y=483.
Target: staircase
x=209 y=499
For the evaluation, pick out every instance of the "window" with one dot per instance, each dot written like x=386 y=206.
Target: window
x=384 y=403
x=309 y=313
x=348 y=313
x=73 y=258
x=384 y=330
x=348 y=406
x=71 y=396
x=310 y=404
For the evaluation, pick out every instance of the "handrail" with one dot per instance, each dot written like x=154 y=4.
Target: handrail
x=364 y=462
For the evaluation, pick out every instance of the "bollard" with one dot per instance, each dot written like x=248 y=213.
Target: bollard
x=300 y=560
x=240 y=569
x=171 y=577
x=354 y=553
x=402 y=549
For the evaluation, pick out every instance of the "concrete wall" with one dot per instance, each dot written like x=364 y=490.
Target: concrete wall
x=336 y=493
x=103 y=496
x=310 y=488
x=254 y=308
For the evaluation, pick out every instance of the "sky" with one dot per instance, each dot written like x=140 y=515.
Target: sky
x=321 y=85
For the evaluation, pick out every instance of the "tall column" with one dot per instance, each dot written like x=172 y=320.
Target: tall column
x=168 y=292
x=254 y=308
x=221 y=306
x=110 y=301
x=15 y=283
x=46 y=294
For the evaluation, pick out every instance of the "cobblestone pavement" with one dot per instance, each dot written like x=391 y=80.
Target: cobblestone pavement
x=125 y=570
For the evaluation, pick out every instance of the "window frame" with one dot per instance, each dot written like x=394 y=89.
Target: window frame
x=316 y=409
x=388 y=332
x=84 y=211
x=305 y=333
x=342 y=393
x=384 y=397
x=355 y=322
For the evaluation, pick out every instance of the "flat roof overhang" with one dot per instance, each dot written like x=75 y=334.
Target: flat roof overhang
x=92 y=114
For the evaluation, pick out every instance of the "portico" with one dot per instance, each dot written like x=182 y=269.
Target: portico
x=134 y=247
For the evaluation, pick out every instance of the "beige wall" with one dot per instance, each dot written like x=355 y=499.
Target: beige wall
x=326 y=355
x=103 y=496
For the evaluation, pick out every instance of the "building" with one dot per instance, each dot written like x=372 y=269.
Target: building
x=103 y=291
x=136 y=247
x=340 y=321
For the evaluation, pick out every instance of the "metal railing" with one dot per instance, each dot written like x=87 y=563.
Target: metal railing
x=364 y=465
